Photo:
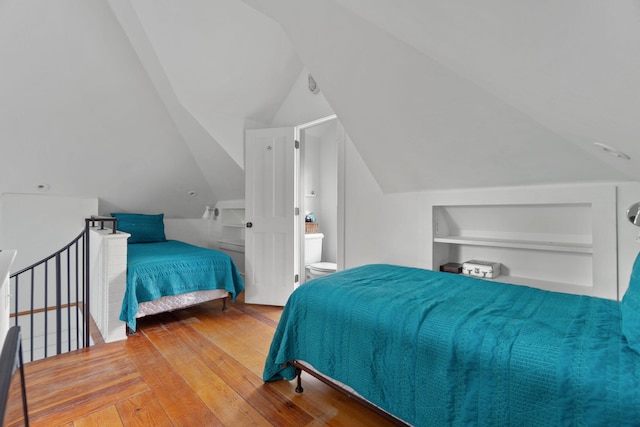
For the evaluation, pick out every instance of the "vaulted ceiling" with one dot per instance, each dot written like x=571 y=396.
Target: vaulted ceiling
x=143 y=103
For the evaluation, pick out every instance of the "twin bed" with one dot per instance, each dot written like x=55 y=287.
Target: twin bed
x=434 y=348
x=165 y=275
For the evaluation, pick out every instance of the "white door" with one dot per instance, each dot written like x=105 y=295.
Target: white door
x=271 y=252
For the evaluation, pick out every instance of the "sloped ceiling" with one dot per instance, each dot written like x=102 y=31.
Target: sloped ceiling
x=219 y=67
x=133 y=102
x=78 y=112
x=140 y=102
x=453 y=94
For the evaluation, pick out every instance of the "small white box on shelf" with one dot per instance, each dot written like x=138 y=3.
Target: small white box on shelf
x=483 y=269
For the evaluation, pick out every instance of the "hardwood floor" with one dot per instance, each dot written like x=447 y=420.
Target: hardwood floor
x=195 y=367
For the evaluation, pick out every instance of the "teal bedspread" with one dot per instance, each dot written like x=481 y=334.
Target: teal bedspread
x=168 y=268
x=442 y=349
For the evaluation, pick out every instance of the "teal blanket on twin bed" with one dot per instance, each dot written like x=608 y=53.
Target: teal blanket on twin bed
x=442 y=349
x=169 y=268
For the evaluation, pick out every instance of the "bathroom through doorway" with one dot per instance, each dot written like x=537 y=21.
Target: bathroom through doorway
x=318 y=194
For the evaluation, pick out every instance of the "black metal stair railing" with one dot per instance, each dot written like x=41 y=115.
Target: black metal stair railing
x=48 y=293
x=50 y=299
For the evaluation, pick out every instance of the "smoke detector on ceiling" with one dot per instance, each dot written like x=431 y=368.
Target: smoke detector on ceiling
x=313 y=86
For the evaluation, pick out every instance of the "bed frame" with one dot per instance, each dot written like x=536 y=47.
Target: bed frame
x=301 y=366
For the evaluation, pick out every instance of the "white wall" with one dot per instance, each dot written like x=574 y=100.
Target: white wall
x=301 y=106
x=379 y=228
x=321 y=177
x=39 y=225
x=311 y=175
x=329 y=191
x=197 y=232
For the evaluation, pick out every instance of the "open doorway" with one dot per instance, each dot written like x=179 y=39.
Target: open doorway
x=318 y=197
x=275 y=203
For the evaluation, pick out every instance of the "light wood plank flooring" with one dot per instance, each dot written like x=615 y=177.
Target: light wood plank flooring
x=194 y=367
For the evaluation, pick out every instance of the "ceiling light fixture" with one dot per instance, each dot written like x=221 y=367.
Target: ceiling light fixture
x=612 y=151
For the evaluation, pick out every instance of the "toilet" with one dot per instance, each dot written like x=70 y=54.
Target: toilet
x=314 y=265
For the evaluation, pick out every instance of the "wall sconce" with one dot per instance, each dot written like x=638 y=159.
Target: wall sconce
x=633 y=214
x=210 y=213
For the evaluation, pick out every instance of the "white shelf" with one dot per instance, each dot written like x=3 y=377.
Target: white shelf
x=232 y=246
x=239 y=243
x=517 y=244
x=548 y=285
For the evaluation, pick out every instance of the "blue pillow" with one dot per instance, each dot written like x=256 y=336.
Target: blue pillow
x=630 y=308
x=143 y=228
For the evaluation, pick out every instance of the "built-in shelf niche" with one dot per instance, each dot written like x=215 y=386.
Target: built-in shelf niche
x=231 y=217
x=547 y=240
x=232 y=224
x=551 y=245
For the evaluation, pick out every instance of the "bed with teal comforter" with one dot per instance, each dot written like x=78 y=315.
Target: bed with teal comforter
x=439 y=349
x=171 y=268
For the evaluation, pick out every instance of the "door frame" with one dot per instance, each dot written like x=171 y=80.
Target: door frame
x=299 y=190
